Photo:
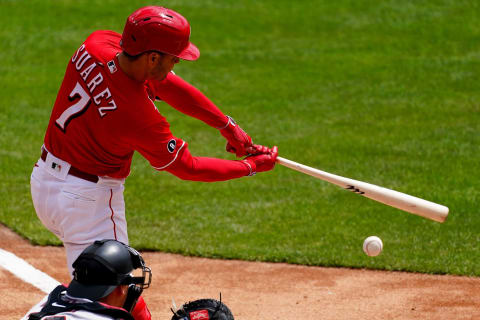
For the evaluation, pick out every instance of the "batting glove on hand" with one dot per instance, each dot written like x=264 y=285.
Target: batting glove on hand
x=263 y=161
x=239 y=142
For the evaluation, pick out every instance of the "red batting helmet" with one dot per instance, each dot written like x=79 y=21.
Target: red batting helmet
x=159 y=29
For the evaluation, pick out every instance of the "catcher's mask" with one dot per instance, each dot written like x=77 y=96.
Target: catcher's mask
x=105 y=265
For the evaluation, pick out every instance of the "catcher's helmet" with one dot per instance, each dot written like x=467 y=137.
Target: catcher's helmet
x=103 y=266
x=159 y=29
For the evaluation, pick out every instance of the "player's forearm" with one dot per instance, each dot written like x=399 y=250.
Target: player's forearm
x=207 y=169
x=189 y=100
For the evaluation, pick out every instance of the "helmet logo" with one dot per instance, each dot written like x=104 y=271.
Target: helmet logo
x=166 y=16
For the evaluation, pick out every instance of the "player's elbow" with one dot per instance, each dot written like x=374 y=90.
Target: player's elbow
x=185 y=168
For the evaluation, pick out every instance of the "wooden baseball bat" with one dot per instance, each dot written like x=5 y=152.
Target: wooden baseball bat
x=399 y=200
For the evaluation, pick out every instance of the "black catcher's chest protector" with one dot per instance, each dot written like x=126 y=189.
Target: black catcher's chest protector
x=55 y=304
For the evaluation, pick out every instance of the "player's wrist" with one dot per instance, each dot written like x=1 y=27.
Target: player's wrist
x=230 y=123
x=251 y=167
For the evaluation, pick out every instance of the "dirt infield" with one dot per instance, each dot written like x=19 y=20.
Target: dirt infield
x=265 y=291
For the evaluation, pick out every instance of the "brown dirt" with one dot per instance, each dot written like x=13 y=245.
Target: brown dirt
x=265 y=291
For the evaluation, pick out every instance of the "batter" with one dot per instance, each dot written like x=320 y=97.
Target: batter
x=105 y=111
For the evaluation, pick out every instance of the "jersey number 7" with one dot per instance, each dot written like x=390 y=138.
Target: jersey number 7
x=75 y=110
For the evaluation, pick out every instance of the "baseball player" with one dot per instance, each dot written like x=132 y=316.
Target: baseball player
x=103 y=287
x=105 y=110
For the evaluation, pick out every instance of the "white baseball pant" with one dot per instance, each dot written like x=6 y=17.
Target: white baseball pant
x=77 y=211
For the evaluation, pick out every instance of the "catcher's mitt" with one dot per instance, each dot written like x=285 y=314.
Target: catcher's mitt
x=203 y=309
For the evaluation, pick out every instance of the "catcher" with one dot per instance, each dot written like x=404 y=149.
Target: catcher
x=103 y=288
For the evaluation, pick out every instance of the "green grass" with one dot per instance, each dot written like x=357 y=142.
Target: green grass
x=380 y=91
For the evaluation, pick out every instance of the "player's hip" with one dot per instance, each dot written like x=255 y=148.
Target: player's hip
x=73 y=208
x=52 y=170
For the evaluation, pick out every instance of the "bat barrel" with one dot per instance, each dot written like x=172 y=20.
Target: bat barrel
x=399 y=200
x=402 y=201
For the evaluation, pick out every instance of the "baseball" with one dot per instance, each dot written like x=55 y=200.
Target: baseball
x=373 y=246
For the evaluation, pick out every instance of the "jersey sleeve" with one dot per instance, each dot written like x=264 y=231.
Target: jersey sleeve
x=159 y=146
x=187 y=99
x=205 y=169
x=172 y=155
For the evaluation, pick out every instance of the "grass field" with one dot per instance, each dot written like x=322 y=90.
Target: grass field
x=380 y=91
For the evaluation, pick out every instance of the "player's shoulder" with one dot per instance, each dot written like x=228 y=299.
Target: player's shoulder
x=103 y=45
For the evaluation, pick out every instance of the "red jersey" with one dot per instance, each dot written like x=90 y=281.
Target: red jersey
x=101 y=116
